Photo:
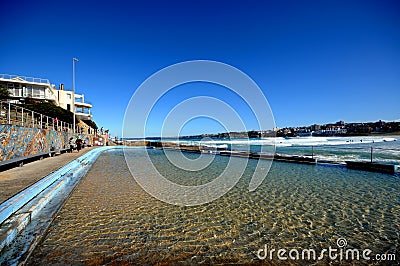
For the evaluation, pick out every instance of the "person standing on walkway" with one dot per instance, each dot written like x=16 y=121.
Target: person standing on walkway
x=71 y=144
x=78 y=143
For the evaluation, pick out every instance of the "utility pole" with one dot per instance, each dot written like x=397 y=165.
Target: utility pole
x=73 y=88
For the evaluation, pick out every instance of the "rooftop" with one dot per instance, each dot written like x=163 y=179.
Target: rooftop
x=24 y=79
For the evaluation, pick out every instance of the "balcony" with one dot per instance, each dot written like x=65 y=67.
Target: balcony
x=83 y=105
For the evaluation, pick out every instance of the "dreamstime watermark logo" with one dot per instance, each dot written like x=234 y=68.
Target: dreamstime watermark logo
x=160 y=84
x=340 y=252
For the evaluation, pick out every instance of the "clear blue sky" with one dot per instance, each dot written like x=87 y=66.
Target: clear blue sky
x=316 y=61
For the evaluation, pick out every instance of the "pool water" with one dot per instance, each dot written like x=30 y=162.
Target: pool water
x=110 y=219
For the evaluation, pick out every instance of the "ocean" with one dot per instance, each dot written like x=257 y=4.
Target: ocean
x=385 y=149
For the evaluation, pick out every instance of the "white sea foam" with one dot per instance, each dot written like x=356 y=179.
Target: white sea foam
x=339 y=149
x=287 y=142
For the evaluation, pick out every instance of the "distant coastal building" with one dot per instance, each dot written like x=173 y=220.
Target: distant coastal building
x=334 y=131
x=315 y=127
x=24 y=88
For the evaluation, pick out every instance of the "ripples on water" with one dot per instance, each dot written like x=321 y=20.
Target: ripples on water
x=385 y=148
x=385 y=152
x=110 y=219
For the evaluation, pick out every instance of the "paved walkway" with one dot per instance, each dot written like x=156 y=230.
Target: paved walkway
x=16 y=179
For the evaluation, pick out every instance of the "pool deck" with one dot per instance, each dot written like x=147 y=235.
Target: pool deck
x=17 y=179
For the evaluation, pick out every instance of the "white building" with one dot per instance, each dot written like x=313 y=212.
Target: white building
x=23 y=88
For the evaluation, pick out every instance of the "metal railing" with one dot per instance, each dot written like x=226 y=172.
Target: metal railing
x=370 y=152
x=27 y=79
x=11 y=114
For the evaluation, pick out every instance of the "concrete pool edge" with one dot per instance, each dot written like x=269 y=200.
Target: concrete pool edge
x=24 y=209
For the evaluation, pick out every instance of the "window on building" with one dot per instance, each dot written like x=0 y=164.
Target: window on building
x=28 y=91
x=14 y=89
x=38 y=92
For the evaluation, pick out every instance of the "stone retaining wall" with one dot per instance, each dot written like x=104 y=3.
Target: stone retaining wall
x=17 y=141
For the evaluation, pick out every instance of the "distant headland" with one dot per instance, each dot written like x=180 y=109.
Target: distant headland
x=339 y=128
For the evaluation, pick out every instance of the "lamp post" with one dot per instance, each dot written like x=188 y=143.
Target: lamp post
x=73 y=89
